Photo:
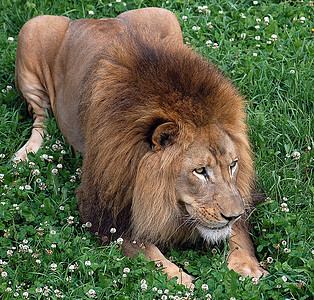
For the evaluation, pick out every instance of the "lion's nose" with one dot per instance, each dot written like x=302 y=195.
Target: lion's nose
x=232 y=218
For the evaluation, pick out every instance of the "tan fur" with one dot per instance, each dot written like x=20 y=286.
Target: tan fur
x=146 y=112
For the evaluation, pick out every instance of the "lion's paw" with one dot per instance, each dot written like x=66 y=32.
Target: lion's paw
x=246 y=266
x=183 y=278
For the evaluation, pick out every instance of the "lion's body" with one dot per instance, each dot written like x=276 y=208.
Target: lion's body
x=146 y=112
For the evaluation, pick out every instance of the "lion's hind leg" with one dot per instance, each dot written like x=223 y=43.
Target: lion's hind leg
x=38 y=103
x=37 y=48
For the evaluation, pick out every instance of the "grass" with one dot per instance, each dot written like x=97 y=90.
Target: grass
x=45 y=252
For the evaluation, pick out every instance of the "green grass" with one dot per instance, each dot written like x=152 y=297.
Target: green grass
x=39 y=222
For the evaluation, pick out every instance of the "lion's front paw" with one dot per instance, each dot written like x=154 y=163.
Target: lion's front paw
x=246 y=266
x=183 y=278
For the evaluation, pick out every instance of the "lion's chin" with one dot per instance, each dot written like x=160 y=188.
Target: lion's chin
x=214 y=235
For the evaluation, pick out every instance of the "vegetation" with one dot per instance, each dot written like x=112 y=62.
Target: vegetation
x=266 y=48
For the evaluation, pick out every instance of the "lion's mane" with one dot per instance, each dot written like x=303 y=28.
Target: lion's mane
x=136 y=85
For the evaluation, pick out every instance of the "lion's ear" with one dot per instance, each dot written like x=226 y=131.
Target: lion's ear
x=164 y=135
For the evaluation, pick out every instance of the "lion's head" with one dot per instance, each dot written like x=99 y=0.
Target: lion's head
x=167 y=154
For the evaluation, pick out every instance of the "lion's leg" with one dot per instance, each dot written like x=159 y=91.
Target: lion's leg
x=152 y=253
x=37 y=47
x=37 y=100
x=241 y=257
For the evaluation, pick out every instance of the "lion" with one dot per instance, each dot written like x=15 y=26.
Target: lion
x=166 y=155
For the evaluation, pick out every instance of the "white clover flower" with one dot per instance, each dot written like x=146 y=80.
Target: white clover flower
x=255 y=280
x=243 y=35
x=284 y=278
x=120 y=241
x=164 y=297
x=258 y=20
x=204 y=287
x=220 y=12
x=209 y=43
x=269 y=260
x=92 y=293
x=241 y=278
x=242 y=15
x=28 y=187
x=254 y=54
x=53 y=246
x=296 y=155
x=16 y=160
x=61 y=207
x=71 y=268
x=291 y=72
x=257 y=37
x=88 y=263
x=4 y=274
x=124 y=275
x=2 y=155
x=113 y=230
x=70 y=220
x=255 y=2
x=10 y=39
x=59 y=166
x=209 y=24
x=91 y=13
x=257 y=27
x=88 y=224
x=154 y=289
x=78 y=171
x=302 y=19
x=231 y=40
x=31 y=164
x=55 y=147
x=196 y=28
x=36 y=172
x=287 y=250
x=54 y=171
x=208 y=296
x=9 y=253
x=25 y=294
x=144 y=286
x=126 y=270
x=52 y=232
x=53 y=266
x=38 y=290
x=38 y=261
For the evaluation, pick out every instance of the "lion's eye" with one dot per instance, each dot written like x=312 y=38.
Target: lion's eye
x=200 y=170
x=233 y=166
x=200 y=173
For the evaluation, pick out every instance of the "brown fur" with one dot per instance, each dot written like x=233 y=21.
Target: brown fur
x=139 y=84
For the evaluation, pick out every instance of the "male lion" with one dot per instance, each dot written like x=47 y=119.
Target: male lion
x=162 y=132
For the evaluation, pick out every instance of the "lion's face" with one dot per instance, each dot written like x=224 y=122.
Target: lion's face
x=206 y=185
